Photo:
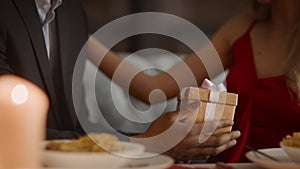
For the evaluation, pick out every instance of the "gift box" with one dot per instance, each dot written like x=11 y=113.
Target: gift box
x=216 y=104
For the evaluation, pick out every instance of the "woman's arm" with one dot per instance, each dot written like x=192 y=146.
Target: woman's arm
x=141 y=85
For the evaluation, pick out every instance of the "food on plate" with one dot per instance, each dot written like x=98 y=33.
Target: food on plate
x=293 y=141
x=93 y=142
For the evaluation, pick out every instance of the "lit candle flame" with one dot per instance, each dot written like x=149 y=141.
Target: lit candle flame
x=19 y=94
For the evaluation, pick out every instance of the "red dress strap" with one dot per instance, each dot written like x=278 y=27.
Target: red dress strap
x=250 y=27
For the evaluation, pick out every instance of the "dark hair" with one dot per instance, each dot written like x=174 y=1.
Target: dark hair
x=260 y=11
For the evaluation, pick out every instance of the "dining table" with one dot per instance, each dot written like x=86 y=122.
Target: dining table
x=204 y=166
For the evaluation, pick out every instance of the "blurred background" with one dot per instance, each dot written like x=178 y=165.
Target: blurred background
x=208 y=15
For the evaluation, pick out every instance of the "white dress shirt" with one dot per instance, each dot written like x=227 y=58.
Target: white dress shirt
x=46 y=10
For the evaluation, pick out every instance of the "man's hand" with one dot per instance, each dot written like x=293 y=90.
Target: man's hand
x=189 y=148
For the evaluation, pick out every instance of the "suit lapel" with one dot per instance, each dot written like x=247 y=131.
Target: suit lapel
x=28 y=12
x=65 y=51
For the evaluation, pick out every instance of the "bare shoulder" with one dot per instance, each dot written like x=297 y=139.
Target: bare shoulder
x=235 y=27
x=228 y=33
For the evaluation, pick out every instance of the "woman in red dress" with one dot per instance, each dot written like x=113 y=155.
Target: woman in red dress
x=265 y=72
x=261 y=50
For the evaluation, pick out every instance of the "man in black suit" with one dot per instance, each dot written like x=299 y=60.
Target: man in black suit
x=40 y=40
x=23 y=52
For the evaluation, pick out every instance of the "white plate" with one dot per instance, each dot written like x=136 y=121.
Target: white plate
x=155 y=162
x=92 y=160
x=278 y=153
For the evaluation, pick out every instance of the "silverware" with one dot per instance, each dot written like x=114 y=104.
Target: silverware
x=259 y=152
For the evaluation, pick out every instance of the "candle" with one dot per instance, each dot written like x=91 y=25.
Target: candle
x=23 y=109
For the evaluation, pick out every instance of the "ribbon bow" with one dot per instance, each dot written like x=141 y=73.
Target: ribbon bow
x=215 y=90
x=207 y=84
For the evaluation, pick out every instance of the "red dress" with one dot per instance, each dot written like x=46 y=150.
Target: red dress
x=267 y=110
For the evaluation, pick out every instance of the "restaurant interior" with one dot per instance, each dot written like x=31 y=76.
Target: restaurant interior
x=120 y=138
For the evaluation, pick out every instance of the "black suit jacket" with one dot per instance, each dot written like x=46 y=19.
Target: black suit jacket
x=23 y=52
